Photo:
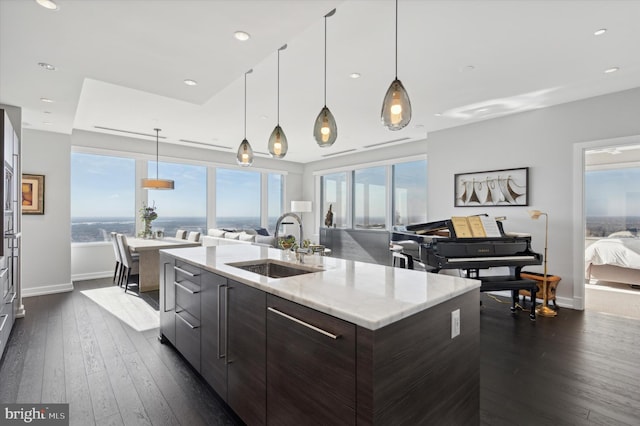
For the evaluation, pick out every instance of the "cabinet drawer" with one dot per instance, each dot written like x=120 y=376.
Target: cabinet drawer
x=311 y=366
x=187 y=297
x=188 y=338
x=186 y=271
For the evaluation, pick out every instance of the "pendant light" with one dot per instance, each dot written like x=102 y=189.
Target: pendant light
x=325 y=130
x=278 y=145
x=157 y=183
x=396 y=107
x=245 y=153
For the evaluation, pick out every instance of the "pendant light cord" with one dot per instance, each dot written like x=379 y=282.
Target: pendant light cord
x=396 y=39
x=278 y=97
x=245 y=105
x=325 y=61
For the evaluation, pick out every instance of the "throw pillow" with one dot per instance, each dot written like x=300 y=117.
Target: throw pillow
x=266 y=240
x=216 y=233
x=246 y=237
x=232 y=235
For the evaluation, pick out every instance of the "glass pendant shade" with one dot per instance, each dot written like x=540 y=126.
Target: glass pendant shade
x=278 y=145
x=245 y=154
x=396 y=107
x=325 y=131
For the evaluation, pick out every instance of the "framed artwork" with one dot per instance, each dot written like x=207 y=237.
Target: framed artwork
x=508 y=187
x=32 y=194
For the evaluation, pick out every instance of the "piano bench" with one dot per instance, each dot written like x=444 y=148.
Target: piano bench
x=508 y=282
x=552 y=285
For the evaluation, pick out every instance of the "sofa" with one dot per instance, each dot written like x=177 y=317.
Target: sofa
x=217 y=237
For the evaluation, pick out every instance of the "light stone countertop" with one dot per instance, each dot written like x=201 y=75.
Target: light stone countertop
x=365 y=294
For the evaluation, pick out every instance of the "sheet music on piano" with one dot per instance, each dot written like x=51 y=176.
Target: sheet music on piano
x=490 y=226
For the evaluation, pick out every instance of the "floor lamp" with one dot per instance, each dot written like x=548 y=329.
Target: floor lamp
x=544 y=310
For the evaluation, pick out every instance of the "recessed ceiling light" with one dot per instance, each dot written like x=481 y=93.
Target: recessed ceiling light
x=438 y=114
x=47 y=112
x=419 y=126
x=47 y=66
x=47 y=100
x=600 y=31
x=242 y=35
x=48 y=123
x=610 y=70
x=467 y=68
x=354 y=75
x=190 y=82
x=48 y=4
x=264 y=117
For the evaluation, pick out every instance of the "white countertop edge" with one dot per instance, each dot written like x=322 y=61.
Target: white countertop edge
x=270 y=287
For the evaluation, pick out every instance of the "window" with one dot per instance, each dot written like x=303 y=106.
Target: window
x=409 y=193
x=237 y=199
x=185 y=207
x=612 y=201
x=369 y=194
x=102 y=197
x=334 y=195
x=274 y=200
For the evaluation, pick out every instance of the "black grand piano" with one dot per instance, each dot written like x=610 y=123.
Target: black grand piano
x=435 y=246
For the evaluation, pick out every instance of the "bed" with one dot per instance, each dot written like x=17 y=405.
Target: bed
x=615 y=258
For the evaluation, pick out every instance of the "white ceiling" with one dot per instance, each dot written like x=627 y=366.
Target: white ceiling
x=121 y=64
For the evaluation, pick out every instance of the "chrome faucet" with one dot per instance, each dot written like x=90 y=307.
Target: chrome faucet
x=300 y=252
x=279 y=222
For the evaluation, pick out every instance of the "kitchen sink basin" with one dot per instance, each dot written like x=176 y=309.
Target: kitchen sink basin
x=274 y=269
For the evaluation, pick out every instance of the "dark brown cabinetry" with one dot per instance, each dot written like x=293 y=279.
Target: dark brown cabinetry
x=281 y=363
x=246 y=381
x=311 y=366
x=213 y=325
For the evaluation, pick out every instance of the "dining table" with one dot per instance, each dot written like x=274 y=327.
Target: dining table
x=149 y=252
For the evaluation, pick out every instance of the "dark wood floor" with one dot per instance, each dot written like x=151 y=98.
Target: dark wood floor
x=576 y=369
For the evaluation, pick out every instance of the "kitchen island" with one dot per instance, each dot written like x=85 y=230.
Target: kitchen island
x=341 y=342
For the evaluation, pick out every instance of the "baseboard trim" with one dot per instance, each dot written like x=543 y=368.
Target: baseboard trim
x=91 y=276
x=47 y=289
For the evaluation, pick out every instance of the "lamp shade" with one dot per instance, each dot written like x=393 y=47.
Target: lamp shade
x=301 y=206
x=396 y=107
x=535 y=214
x=325 y=130
x=157 y=184
x=278 y=145
x=244 y=156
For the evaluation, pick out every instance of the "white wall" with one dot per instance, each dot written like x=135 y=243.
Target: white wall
x=542 y=140
x=46 y=240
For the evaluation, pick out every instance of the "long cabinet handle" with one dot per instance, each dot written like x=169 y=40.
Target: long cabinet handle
x=164 y=287
x=220 y=355
x=4 y=272
x=13 y=298
x=191 y=326
x=184 y=271
x=226 y=324
x=4 y=321
x=306 y=324
x=185 y=288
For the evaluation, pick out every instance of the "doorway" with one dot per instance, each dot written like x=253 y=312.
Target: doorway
x=611 y=228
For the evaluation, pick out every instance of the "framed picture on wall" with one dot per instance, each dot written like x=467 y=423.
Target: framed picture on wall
x=32 y=194
x=508 y=187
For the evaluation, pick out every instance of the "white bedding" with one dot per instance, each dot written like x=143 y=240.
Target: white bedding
x=624 y=252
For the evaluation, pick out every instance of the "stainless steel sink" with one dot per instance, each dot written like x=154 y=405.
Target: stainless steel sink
x=274 y=269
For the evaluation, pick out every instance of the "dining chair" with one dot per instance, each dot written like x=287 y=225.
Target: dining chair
x=194 y=236
x=116 y=251
x=131 y=265
x=181 y=234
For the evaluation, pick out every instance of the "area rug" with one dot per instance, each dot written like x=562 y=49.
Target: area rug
x=127 y=307
x=612 y=298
